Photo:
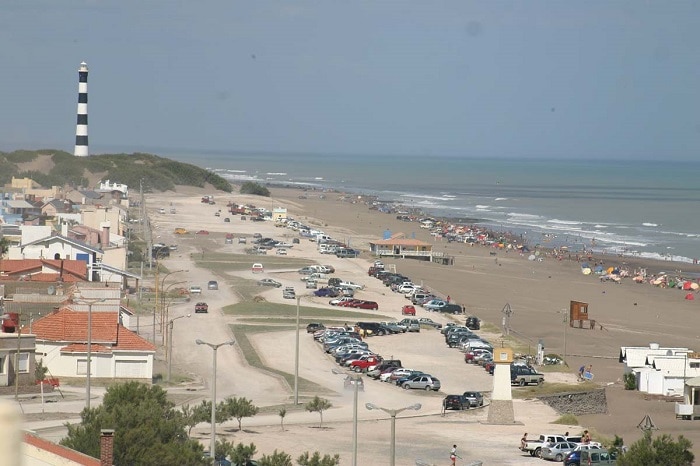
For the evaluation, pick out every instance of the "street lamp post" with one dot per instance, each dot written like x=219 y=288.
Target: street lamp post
x=296 y=358
x=88 y=369
x=212 y=447
x=393 y=413
x=170 y=343
x=162 y=284
x=165 y=307
x=357 y=378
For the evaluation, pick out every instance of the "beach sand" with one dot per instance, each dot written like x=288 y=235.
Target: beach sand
x=538 y=293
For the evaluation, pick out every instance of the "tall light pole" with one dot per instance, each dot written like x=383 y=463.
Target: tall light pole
x=357 y=378
x=393 y=413
x=170 y=343
x=88 y=370
x=162 y=284
x=212 y=447
x=164 y=308
x=296 y=358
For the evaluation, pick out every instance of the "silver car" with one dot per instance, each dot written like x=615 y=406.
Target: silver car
x=423 y=382
x=558 y=451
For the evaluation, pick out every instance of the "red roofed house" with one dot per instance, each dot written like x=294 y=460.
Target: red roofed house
x=45 y=270
x=117 y=353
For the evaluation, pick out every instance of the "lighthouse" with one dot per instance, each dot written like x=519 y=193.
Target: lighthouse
x=81 y=128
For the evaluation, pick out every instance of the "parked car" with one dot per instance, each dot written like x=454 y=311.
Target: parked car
x=408 y=310
x=557 y=451
x=339 y=301
x=201 y=308
x=429 y=322
x=314 y=327
x=473 y=323
x=434 y=304
x=329 y=292
x=202 y=232
x=288 y=293
x=476 y=399
x=422 y=382
x=411 y=324
x=311 y=284
x=213 y=285
x=195 y=289
x=281 y=252
x=269 y=282
x=362 y=304
x=457 y=402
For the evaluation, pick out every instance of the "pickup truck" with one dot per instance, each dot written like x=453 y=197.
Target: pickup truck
x=524 y=375
x=534 y=446
x=361 y=365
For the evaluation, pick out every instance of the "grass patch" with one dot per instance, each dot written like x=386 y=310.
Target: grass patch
x=286 y=311
x=533 y=391
x=567 y=419
x=241 y=332
x=235 y=262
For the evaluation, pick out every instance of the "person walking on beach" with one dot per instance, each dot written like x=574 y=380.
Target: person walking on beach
x=454 y=455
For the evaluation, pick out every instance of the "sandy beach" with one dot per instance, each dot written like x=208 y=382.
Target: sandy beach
x=631 y=314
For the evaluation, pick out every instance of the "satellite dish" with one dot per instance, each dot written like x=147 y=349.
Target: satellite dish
x=51 y=290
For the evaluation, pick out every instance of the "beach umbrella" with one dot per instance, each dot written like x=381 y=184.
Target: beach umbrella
x=610 y=269
x=686 y=286
x=531 y=257
x=584 y=265
x=694 y=286
x=690 y=296
x=586 y=271
x=598 y=269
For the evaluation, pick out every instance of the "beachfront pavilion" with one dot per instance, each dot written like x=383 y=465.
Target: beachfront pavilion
x=400 y=246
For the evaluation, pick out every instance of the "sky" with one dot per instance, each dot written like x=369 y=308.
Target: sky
x=518 y=79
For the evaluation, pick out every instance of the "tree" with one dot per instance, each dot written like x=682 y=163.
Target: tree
x=4 y=246
x=276 y=459
x=662 y=450
x=317 y=460
x=242 y=454
x=282 y=413
x=195 y=415
x=239 y=408
x=149 y=431
x=318 y=405
x=40 y=371
x=251 y=187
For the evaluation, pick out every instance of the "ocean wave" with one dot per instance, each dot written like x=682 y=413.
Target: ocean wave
x=482 y=207
x=501 y=199
x=647 y=224
x=517 y=215
x=564 y=222
x=426 y=196
x=276 y=174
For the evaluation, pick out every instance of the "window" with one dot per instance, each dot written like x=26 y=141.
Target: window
x=82 y=367
x=2 y=364
x=23 y=363
x=695 y=365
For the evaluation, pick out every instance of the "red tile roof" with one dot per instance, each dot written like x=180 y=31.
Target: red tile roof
x=61 y=451
x=71 y=326
x=73 y=270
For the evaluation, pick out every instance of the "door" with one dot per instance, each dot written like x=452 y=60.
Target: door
x=131 y=369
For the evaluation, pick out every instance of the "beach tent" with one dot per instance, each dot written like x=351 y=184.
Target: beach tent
x=599 y=269
x=531 y=257
x=690 y=296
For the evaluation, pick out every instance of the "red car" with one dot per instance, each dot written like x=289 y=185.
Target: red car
x=408 y=310
x=202 y=232
x=366 y=305
x=350 y=303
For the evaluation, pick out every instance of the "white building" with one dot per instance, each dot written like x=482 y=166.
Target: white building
x=117 y=353
x=660 y=370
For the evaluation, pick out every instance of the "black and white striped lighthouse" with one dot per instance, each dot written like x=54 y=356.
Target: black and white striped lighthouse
x=81 y=128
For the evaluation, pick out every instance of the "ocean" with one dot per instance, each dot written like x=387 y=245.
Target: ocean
x=642 y=208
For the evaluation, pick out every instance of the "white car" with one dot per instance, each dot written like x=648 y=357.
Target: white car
x=281 y=252
x=336 y=301
x=354 y=286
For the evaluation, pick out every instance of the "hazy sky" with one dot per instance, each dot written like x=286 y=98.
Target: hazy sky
x=523 y=78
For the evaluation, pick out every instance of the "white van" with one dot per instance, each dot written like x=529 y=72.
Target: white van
x=321 y=238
